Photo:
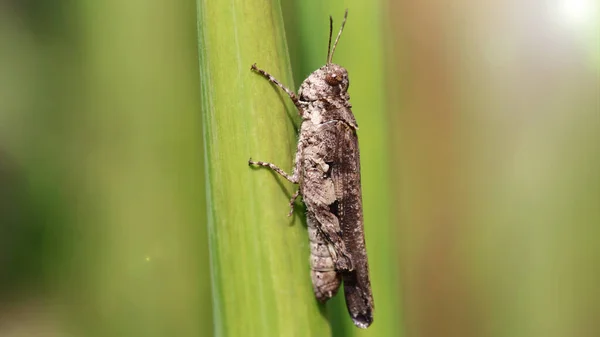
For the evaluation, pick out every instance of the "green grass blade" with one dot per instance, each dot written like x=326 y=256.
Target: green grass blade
x=259 y=257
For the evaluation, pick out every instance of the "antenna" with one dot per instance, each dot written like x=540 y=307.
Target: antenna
x=330 y=54
x=330 y=32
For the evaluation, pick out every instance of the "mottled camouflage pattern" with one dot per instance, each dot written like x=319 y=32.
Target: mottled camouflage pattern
x=327 y=168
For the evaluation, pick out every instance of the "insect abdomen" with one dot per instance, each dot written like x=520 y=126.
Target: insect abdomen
x=326 y=281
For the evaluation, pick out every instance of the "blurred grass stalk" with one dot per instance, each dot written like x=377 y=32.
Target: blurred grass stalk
x=100 y=143
x=259 y=257
x=135 y=163
x=498 y=149
x=361 y=52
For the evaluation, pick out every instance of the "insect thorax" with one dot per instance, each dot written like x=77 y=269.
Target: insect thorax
x=324 y=95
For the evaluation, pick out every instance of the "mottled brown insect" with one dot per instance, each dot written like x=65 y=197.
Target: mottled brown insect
x=327 y=168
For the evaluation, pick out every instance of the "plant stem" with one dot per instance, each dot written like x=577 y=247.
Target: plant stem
x=259 y=257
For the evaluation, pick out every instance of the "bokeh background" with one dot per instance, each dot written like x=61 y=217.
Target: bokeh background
x=480 y=138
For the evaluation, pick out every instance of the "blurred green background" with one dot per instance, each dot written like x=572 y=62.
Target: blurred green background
x=125 y=196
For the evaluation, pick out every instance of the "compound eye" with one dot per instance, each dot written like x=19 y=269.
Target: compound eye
x=333 y=78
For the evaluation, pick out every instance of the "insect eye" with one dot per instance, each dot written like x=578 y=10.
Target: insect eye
x=333 y=78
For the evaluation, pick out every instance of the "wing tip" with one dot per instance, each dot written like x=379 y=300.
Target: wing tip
x=363 y=320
